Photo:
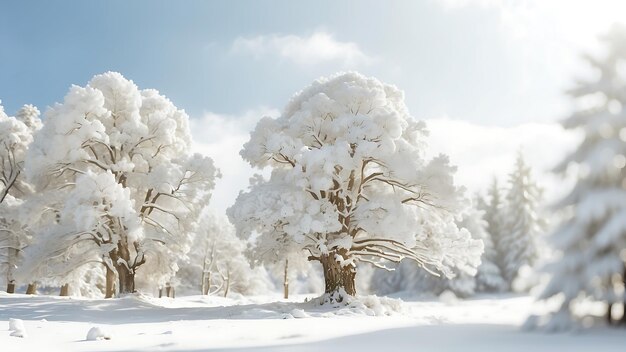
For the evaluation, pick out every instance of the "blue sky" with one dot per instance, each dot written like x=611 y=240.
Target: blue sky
x=460 y=58
x=494 y=67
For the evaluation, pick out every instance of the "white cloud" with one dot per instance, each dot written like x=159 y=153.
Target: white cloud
x=318 y=48
x=578 y=22
x=221 y=137
x=482 y=152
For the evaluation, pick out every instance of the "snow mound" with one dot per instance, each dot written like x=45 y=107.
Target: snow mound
x=376 y=306
x=361 y=305
x=335 y=299
x=97 y=333
x=448 y=297
x=299 y=313
x=16 y=324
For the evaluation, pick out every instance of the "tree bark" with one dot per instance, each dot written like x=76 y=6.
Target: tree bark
x=126 y=279
x=227 y=282
x=122 y=264
x=337 y=277
x=623 y=319
x=31 y=289
x=110 y=283
x=12 y=258
x=203 y=284
x=207 y=284
x=65 y=290
x=286 y=280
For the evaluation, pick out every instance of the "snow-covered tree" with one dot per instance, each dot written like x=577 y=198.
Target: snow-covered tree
x=350 y=184
x=519 y=242
x=282 y=256
x=488 y=278
x=408 y=277
x=16 y=134
x=132 y=148
x=217 y=262
x=592 y=240
x=494 y=206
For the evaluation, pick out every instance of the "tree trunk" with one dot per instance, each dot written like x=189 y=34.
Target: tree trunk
x=110 y=283
x=65 y=290
x=227 y=283
x=207 y=284
x=623 y=319
x=203 y=288
x=337 y=277
x=126 y=279
x=169 y=290
x=609 y=314
x=121 y=262
x=286 y=280
x=31 y=289
x=12 y=258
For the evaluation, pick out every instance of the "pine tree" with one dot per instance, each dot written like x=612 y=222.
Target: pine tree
x=489 y=277
x=592 y=240
x=522 y=226
x=493 y=209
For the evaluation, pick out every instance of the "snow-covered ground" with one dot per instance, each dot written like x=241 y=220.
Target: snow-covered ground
x=196 y=323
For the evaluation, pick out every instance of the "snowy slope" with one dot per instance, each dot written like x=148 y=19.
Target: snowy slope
x=140 y=323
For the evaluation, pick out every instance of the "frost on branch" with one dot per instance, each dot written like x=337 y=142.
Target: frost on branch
x=350 y=184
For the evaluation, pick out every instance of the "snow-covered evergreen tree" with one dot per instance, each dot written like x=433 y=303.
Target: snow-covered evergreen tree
x=592 y=241
x=519 y=242
x=131 y=147
x=489 y=277
x=350 y=184
x=493 y=207
x=16 y=134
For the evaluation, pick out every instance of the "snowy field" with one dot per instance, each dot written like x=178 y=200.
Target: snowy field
x=196 y=323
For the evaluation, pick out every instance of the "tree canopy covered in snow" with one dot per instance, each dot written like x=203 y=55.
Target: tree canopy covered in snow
x=350 y=184
x=16 y=134
x=114 y=164
x=217 y=263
